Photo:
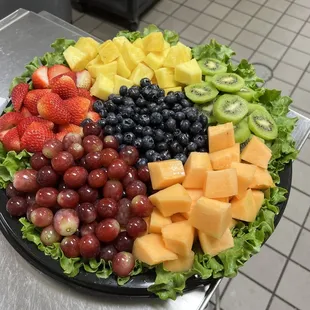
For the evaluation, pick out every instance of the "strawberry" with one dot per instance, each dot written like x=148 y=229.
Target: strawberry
x=22 y=126
x=3 y=133
x=60 y=135
x=32 y=98
x=11 y=141
x=57 y=70
x=83 y=79
x=25 y=112
x=64 y=87
x=18 y=95
x=82 y=92
x=40 y=78
x=95 y=117
x=78 y=108
x=51 y=107
x=71 y=128
x=9 y=120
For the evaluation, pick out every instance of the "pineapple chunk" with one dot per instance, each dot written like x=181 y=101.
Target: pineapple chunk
x=102 y=88
x=167 y=90
x=108 y=70
x=108 y=51
x=132 y=55
x=154 y=60
x=76 y=59
x=96 y=61
x=122 y=68
x=188 y=72
x=166 y=45
x=154 y=42
x=187 y=49
x=165 y=78
x=88 y=46
x=120 y=81
x=119 y=41
x=177 y=55
x=141 y=71
x=138 y=43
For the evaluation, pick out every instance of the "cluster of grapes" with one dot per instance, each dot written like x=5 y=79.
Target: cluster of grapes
x=87 y=195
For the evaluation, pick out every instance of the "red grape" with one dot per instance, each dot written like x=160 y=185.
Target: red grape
x=88 y=228
x=107 y=230
x=76 y=150
x=41 y=217
x=47 y=177
x=91 y=129
x=30 y=209
x=82 y=163
x=113 y=189
x=16 y=206
x=97 y=178
x=107 y=252
x=71 y=138
x=62 y=186
x=38 y=160
x=141 y=206
x=110 y=142
x=89 y=246
x=49 y=235
x=88 y=194
x=51 y=148
x=30 y=199
x=130 y=176
x=25 y=180
x=75 y=177
x=92 y=144
x=68 y=198
x=107 y=156
x=87 y=212
x=123 y=242
x=135 y=188
x=93 y=160
x=11 y=191
x=124 y=212
x=144 y=173
x=62 y=161
x=106 y=207
x=70 y=246
x=129 y=154
x=136 y=227
x=66 y=222
x=47 y=197
x=123 y=264
x=117 y=169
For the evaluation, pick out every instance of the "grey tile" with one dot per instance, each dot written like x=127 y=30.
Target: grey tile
x=301 y=175
x=88 y=22
x=296 y=58
x=247 y=7
x=304 y=155
x=223 y=284
x=305 y=3
x=76 y=15
x=287 y=73
x=217 y=10
x=263 y=59
x=305 y=82
x=186 y=14
x=302 y=249
x=194 y=34
x=272 y=49
x=306 y=30
x=249 y=39
x=241 y=51
x=105 y=31
x=237 y=18
x=265 y=267
x=172 y=23
x=274 y=83
x=278 y=5
x=298 y=11
x=305 y=114
x=206 y=22
x=187 y=42
x=259 y=1
x=198 y=5
x=307 y=224
x=154 y=17
x=301 y=99
x=219 y=39
x=166 y=6
x=229 y=3
x=278 y=304
x=227 y=31
x=290 y=23
x=244 y=294
x=179 y=1
x=281 y=35
x=259 y=26
x=142 y=25
x=268 y=15
x=284 y=236
x=294 y=286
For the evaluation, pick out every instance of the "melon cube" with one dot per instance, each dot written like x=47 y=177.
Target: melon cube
x=158 y=221
x=224 y=199
x=108 y=51
x=211 y=217
x=165 y=78
x=221 y=137
x=257 y=153
x=195 y=167
x=262 y=179
x=178 y=217
x=174 y=89
x=76 y=59
x=233 y=223
x=181 y=264
x=138 y=43
x=150 y=249
x=188 y=72
x=213 y=246
x=88 y=46
x=120 y=81
x=195 y=194
x=154 y=60
x=177 y=54
x=132 y=55
x=258 y=198
x=166 y=173
x=102 y=88
x=171 y=200
x=221 y=183
x=179 y=237
x=122 y=68
x=141 y=71
x=224 y=158
x=119 y=42
x=108 y=70
x=154 y=42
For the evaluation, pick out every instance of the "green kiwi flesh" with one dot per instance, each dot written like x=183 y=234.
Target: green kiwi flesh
x=242 y=131
x=263 y=125
x=210 y=66
x=228 y=82
x=246 y=93
x=230 y=108
x=207 y=110
x=208 y=78
x=201 y=92
x=255 y=107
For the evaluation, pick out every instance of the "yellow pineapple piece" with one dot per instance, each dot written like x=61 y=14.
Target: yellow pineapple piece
x=166 y=45
x=108 y=51
x=96 y=61
x=154 y=60
x=167 y=90
x=188 y=72
x=187 y=49
x=120 y=81
x=177 y=54
x=141 y=71
x=154 y=80
x=108 y=70
x=138 y=43
x=88 y=46
x=122 y=68
x=132 y=55
x=165 y=78
x=154 y=42
x=102 y=88
x=76 y=59
x=119 y=41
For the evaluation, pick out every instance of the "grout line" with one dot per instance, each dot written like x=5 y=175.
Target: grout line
x=296 y=85
x=302 y=161
x=300 y=191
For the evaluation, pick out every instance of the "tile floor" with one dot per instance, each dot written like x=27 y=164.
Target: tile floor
x=275 y=33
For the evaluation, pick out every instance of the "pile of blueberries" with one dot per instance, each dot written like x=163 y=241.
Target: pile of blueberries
x=160 y=127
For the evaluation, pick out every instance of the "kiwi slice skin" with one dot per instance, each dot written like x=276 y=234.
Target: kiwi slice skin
x=207 y=110
x=230 y=108
x=228 y=82
x=201 y=92
x=255 y=107
x=263 y=125
x=210 y=66
x=242 y=131
x=246 y=93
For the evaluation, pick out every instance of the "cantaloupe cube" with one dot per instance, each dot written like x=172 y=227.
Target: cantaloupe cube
x=195 y=194
x=171 y=200
x=213 y=246
x=211 y=216
x=222 y=159
x=262 y=179
x=179 y=237
x=165 y=78
x=138 y=43
x=174 y=89
x=108 y=51
x=188 y=72
x=108 y=70
x=154 y=60
x=122 y=68
x=233 y=223
x=181 y=264
x=221 y=183
x=119 y=42
x=158 y=221
x=88 y=46
x=150 y=249
x=221 y=137
x=258 y=198
x=76 y=59
x=96 y=61
x=154 y=42
x=166 y=173
x=226 y=199
x=245 y=175
x=141 y=71
x=178 y=217
x=132 y=55
x=256 y=153
x=121 y=81
x=102 y=88
x=195 y=167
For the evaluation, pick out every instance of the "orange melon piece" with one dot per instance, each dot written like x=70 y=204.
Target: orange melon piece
x=171 y=200
x=224 y=158
x=256 y=153
x=233 y=223
x=195 y=167
x=221 y=183
x=178 y=217
x=245 y=175
x=226 y=199
x=258 y=198
x=181 y=264
x=158 y=221
x=221 y=137
x=150 y=249
x=166 y=173
x=213 y=246
x=212 y=217
x=179 y=237
x=195 y=194
x=262 y=179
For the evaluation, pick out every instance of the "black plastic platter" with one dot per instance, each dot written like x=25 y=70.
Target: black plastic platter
x=87 y=282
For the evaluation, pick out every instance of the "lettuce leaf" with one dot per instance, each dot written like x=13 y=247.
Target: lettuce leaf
x=131 y=36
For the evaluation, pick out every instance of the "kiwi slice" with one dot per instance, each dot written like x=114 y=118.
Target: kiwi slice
x=210 y=66
x=228 y=82
x=208 y=78
x=207 y=110
x=242 y=131
x=263 y=125
x=230 y=108
x=246 y=93
x=201 y=92
x=255 y=107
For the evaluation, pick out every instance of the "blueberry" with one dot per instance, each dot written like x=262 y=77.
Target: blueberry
x=145 y=92
x=152 y=106
x=161 y=93
x=138 y=130
x=129 y=137
x=171 y=124
x=121 y=146
x=182 y=157
x=191 y=147
x=136 y=117
x=148 y=143
x=111 y=96
x=156 y=118
x=119 y=118
x=98 y=105
x=168 y=137
x=171 y=98
x=185 y=103
x=152 y=95
x=177 y=132
x=103 y=113
x=118 y=128
x=180 y=95
x=108 y=130
x=166 y=114
x=101 y=122
x=176 y=147
x=86 y=121
x=203 y=149
x=137 y=110
x=128 y=124
x=149 y=154
x=161 y=100
x=117 y=99
x=123 y=91
x=147 y=131
x=144 y=120
x=145 y=82
x=183 y=139
x=203 y=120
x=177 y=107
x=185 y=125
x=162 y=146
x=161 y=126
x=128 y=101
x=165 y=155
x=154 y=86
x=137 y=143
x=134 y=92
x=156 y=157
x=127 y=111
x=172 y=114
x=111 y=119
x=196 y=128
x=200 y=141
x=119 y=137
x=141 y=162
x=144 y=111
x=110 y=106
x=179 y=116
x=159 y=135
x=141 y=102
x=192 y=114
